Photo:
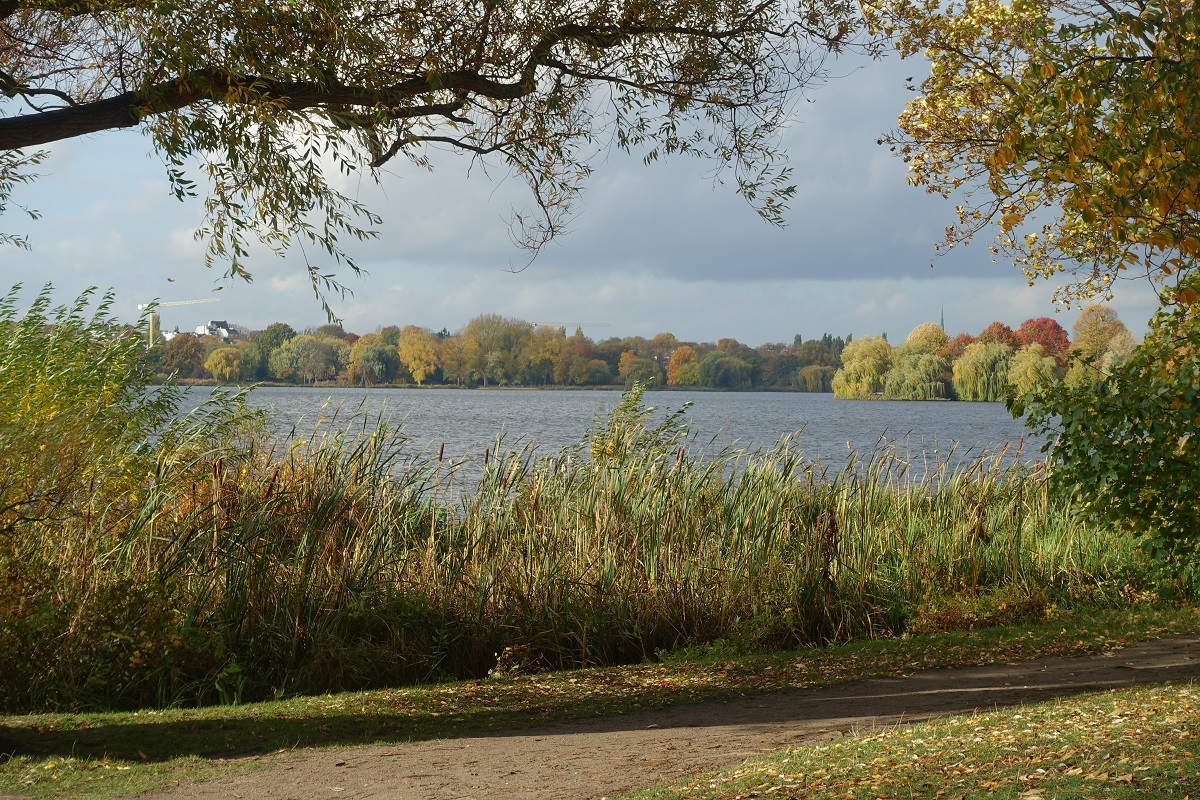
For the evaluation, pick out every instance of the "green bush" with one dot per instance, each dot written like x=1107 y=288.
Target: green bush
x=1125 y=447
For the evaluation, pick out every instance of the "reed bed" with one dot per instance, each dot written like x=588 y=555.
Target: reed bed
x=152 y=560
x=238 y=570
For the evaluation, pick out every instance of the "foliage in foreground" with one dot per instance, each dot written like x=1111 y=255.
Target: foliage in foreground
x=113 y=754
x=1142 y=742
x=221 y=567
x=76 y=415
x=1068 y=124
x=1128 y=449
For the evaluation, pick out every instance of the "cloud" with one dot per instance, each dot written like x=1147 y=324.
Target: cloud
x=652 y=248
x=641 y=303
x=292 y=283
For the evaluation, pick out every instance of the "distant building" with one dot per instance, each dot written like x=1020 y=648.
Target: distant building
x=216 y=327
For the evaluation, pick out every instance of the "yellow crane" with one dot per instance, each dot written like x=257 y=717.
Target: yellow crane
x=153 y=322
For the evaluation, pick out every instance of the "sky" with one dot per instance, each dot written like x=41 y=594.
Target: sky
x=651 y=248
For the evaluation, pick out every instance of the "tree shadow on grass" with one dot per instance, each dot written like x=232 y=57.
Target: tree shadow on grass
x=244 y=731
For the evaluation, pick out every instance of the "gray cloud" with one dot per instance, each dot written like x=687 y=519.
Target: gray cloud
x=652 y=248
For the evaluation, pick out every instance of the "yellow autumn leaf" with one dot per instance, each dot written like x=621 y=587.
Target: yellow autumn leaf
x=1160 y=239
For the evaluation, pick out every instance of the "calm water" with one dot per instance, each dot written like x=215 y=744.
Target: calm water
x=468 y=421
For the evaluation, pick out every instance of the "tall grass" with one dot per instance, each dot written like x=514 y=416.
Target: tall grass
x=234 y=569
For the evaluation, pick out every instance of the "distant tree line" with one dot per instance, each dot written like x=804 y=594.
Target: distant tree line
x=930 y=365
x=493 y=350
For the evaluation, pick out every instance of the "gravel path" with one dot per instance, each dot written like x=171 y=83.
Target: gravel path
x=597 y=757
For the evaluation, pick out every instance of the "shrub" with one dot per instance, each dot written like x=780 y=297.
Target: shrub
x=86 y=611
x=1126 y=448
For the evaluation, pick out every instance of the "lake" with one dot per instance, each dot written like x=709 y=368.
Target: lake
x=468 y=421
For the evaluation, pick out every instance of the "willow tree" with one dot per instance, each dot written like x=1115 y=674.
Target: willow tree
x=865 y=363
x=224 y=364
x=928 y=337
x=917 y=376
x=372 y=360
x=259 y=106
x=1030 y=368
x=917 y=373
x=815 y=378
x=724 y=371
x=981 y=373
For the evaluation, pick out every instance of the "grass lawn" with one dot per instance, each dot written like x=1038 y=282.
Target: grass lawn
x=114 y=754
x=1136 y=743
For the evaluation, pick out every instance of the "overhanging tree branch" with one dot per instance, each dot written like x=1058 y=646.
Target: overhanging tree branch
x=263 y=98
x=131 y=108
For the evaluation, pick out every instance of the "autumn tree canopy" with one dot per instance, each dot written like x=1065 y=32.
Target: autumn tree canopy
x=1049 y=334
x=999 y=332
x=255 y=105
x=1072 y=126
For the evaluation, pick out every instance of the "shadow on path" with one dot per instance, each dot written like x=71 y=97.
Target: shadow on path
x=601 y=756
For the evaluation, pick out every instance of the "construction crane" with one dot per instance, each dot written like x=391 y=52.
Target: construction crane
x=153 y=321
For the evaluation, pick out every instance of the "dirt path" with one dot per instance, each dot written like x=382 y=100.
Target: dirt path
x=598 y=757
